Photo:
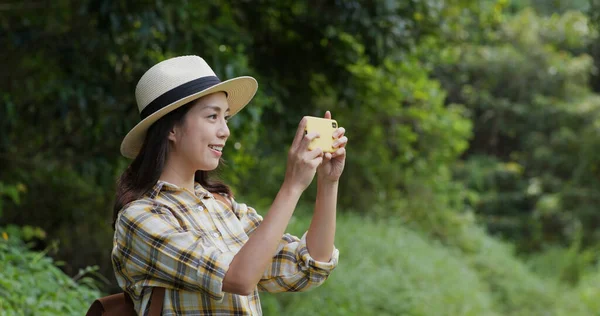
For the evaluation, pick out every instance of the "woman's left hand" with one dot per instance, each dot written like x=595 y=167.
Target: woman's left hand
x=333 y=163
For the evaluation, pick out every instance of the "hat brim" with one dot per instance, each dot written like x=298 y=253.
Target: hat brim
x=239 y=91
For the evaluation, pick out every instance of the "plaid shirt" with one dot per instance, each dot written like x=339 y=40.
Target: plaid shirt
x=185 y=241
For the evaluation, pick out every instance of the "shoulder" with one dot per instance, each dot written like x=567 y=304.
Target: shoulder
x=142 y=207
x=224 y=198
x=242 y=209
x=146 y=219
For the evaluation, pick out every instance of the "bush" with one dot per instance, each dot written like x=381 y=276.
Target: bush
x=32 y=284
x=387 y=269
x=532 y=164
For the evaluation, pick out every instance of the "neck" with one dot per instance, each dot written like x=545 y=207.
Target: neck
x=177 y=173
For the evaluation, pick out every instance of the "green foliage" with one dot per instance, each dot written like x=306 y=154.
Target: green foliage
x=404 y=142
x=569 y=265
x=390 y=270
x=79 y=219
x=516 y=290
x=531 y=167
x=11 y=193
x=32 y=284
x=310 y=58
x=588 y=289
x=401 y=122
x=456 y=111
x=551 y=7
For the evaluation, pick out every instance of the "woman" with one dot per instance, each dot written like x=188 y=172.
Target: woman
x=177 y=229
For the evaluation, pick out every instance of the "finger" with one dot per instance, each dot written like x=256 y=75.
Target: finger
x=341 y=142
x=341 y=152
x=317 y=162
x=339 y=132
x=328 y=115
x=299 y=132
x=326 y=157
x=306 y=139
x=317 y=152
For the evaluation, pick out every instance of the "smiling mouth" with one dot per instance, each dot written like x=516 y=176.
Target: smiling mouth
x=216 y=147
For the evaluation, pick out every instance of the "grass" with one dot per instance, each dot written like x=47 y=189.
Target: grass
x=32 y=284
x=388 y=269
x=385 y=269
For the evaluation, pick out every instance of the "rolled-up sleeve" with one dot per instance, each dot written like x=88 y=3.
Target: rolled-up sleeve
x=155 y=250
x=292 y=269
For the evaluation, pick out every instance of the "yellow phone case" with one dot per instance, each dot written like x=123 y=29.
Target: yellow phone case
x=325 y=128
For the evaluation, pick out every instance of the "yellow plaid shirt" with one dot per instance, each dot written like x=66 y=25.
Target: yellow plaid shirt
x=185 y=241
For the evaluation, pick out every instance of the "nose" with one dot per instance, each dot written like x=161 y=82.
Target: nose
x=223 y=131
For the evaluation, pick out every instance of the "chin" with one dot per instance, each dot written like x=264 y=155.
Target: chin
x=209 y=167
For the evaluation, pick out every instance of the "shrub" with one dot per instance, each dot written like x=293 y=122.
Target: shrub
x=387 y=269
x=32 y=284
x=532 y=159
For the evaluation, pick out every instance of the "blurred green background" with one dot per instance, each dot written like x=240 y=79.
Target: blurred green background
x=472 y=182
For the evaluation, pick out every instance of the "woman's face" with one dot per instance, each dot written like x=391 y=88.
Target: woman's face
x=199 y=141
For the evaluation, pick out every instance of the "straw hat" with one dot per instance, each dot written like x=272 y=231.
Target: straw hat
x=175 y=82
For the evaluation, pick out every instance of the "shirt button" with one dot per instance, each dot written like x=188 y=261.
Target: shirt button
x=216 y=235
x=199 y=208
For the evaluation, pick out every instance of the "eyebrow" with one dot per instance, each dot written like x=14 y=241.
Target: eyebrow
x=214 y=107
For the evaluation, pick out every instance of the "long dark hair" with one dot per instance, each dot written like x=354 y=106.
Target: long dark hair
x=145 y=170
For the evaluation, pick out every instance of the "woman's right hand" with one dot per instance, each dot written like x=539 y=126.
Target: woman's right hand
x=302 y=163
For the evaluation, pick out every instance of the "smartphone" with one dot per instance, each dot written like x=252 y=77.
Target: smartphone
x=325 y=128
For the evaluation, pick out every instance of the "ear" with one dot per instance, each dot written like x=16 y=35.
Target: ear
x=173 y=134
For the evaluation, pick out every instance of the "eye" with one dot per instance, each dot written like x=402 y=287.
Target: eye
x=212 y=117
x=227 y=117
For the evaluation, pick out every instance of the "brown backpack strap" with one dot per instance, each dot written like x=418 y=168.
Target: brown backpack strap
x=116 y=304
x=121 y=304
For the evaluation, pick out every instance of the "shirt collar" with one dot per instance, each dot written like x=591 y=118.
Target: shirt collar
x=200 y=190
x=161 y=185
